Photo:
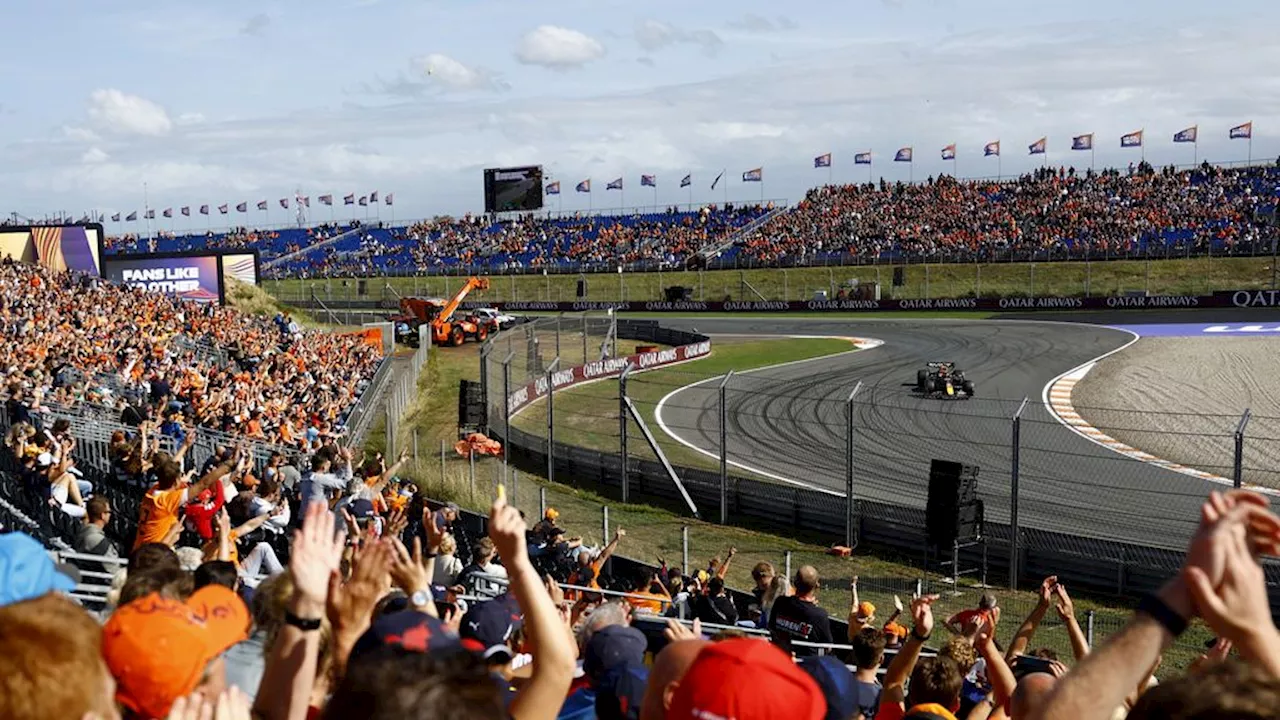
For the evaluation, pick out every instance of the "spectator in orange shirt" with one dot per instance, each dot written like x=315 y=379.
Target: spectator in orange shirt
x=656 y=597
x=159 y=513
x=587 y=573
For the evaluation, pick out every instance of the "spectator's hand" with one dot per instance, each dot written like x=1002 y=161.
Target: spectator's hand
x=619 y=534
x=350 y=606
x=231 y=704
x=435 y=534
x=733 y=551
x=554 y=590
x=897 y=603
x=396 y=523
x=984 y=632
x=1046 y=589
x=1216 y=654
x=1065 y=608
x=1057 y=669
x=408 y=572
x=315 y=554
x=452 y=619
x=922 y=614
x=677 y=631
x=1236 y=606
x=507 y=530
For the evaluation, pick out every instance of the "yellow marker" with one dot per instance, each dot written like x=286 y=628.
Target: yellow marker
x=502 y=493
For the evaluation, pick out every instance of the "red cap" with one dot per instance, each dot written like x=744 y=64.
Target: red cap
x=746 y=679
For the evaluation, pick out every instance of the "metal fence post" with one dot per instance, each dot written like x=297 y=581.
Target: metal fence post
x=1237 y=469
x=584 y=337
x=551 y=420
x=850 y=524
x=559 y=318
x=724 y=450
x=442 y=461
x=542 y=502
x=484 y=380
x=471 y=475
x=1015 y=457
x=506 y=410
x=787 y=564
x=391 y=432
x=1088 y=628
x=684 y=549
x=622 y=431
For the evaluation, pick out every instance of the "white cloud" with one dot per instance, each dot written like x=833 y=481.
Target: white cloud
x=654 y=35
x=94 y=155
x=558 y=48
x=190 y=118
x=129 y=114
x=79 y=134
x=445 y=71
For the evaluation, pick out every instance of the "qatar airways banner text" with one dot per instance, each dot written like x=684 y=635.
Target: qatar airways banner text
x=1239 y=298
x=610 y=367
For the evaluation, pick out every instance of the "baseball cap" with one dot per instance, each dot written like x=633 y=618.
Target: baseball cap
x=407 y=630
x=611 y=647
x=746 y=679
x=837 y=685
x=27 y=571
x=488 y=626
x=158 y=648
x=44 y=459
x=620 y=692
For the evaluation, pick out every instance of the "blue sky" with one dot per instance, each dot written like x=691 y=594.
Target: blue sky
x=244 y=101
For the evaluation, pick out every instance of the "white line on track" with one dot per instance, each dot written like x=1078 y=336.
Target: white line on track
x=863 y=344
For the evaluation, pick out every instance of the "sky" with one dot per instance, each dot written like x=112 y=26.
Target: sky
x=116 y=106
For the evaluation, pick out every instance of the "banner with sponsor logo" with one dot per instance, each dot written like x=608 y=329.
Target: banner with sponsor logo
x=610 y=367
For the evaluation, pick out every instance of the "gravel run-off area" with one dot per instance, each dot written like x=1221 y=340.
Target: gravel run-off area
x=1181 y=400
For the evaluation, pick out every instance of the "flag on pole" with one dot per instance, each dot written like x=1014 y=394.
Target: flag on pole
x=132 y=217
x=242 y=207
x=115 y=217
x=186 y=211
x=903 y=155
x=862 y=158
x=584 y=186
x=1082 y=142
x=1242 y=132
x=822 y=161
x=1133 y=139
x=204 y=209
x=373 y=197
x=551 y=189
x=389 y=197
x=349 y=199
x=716 y=182
x=949 y=152
x=649 y=181
x=151 y=214
x=306 y=201
x=364 y=201
x=1037 y=147
x=168 y=212
x=991 y=148
x=1188 y=135
x=687 y=180
x=284 y=203
x=222 y=209
x=756 y=175
x=615 y=185
x=262 y=204
x=326 y=200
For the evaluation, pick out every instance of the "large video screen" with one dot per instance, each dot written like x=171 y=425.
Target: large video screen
x=513 y=189
x=191 y=277
x=65 y=247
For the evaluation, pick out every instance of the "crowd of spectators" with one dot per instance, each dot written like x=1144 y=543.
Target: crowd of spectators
x=149 y=359
x=374 y=615
x=1057 y=210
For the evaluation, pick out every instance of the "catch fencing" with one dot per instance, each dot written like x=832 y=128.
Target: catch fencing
x=1056 y=500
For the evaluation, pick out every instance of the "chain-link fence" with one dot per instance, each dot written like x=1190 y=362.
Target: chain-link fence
x=842 y=462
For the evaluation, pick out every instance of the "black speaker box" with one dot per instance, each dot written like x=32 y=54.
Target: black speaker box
x=471 y=410
x=953 y=486
x=678 y=293
x=899 y=277
x=582 y=288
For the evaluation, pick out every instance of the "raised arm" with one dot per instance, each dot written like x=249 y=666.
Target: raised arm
x=542 y=697
x=608 y=549
x=1067 y=612
x=1028 y=628
x=895 y=678
x=724 y=567
x=998 y=671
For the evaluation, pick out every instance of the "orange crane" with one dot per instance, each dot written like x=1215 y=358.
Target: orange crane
x=445 y=329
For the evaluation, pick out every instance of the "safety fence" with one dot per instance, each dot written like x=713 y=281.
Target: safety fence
x=403 y=393
x=844 y=463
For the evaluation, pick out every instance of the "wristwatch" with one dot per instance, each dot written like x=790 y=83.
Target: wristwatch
x=420 y=598
x=304 y=624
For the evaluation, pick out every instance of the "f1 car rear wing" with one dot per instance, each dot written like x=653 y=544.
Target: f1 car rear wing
x=947 y=365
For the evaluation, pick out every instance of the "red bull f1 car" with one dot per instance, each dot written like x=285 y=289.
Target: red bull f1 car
x=942 y=379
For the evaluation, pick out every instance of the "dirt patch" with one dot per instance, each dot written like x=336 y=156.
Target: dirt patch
x=1181 y=400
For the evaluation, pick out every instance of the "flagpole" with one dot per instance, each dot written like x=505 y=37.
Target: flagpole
x=726 y=187
x=691 y=193
x=999 y=168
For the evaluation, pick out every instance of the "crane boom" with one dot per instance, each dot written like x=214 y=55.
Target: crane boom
x=446 y=312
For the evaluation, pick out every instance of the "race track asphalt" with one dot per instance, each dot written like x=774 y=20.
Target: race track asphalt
x=789 y=422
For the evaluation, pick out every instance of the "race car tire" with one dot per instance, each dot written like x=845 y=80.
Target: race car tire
x=967 y=387
x=922 y=380
x=931 y=385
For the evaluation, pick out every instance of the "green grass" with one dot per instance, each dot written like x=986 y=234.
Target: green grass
x=587 y=415
x=1195 y=276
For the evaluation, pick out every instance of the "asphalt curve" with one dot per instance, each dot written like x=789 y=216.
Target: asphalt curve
x=789 y=421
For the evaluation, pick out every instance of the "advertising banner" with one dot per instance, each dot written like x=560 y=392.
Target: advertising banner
x=611 y=367
x=190 y=277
